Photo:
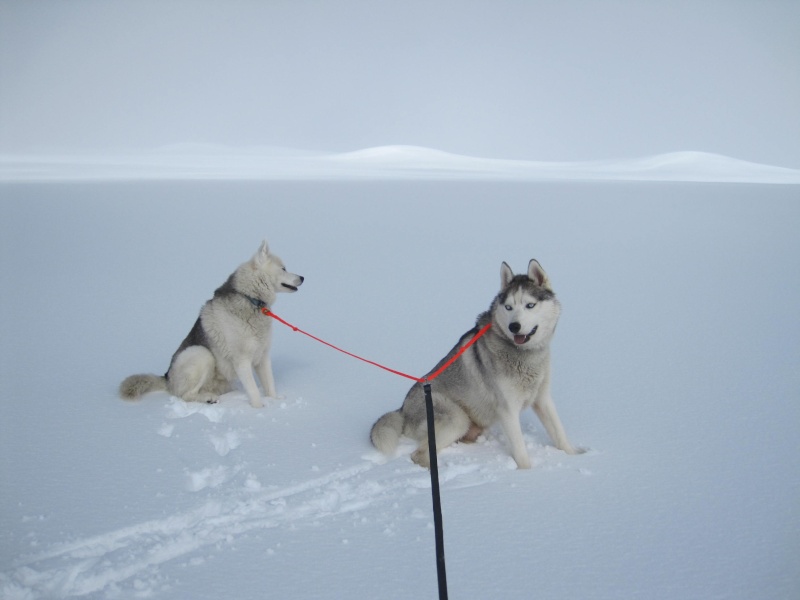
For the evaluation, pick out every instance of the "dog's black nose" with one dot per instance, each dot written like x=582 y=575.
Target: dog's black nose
x=514 y=327
x=302 y=279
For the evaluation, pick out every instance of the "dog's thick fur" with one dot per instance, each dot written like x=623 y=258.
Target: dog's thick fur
x=230 y=338
x=504 y=372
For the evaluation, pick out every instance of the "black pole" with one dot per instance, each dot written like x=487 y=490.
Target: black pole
x=437 y=505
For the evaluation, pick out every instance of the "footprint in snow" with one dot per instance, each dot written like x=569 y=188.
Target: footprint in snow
x=225 y=443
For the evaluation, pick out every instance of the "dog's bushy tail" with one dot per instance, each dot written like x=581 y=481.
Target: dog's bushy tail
x=386 y=432
x=137 y=385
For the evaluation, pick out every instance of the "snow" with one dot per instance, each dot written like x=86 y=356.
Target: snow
x=207 y=161
x=675 y=364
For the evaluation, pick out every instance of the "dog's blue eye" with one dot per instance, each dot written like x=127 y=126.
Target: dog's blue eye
x=508 y=307
x=530 y=305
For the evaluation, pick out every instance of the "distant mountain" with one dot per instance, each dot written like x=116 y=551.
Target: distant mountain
x=199 y=161
x=674 y=166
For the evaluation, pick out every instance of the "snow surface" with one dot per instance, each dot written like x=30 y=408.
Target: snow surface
x=675 y=364
x=203 y=161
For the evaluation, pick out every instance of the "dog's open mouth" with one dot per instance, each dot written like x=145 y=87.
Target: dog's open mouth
x=290 y=287
x=523 y=339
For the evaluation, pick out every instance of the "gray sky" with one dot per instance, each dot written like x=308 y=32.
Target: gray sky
x=540 y=80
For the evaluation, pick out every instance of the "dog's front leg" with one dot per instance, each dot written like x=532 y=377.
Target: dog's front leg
x=244 y=370
x=264 y=370
x=546 y=411
x=509 y=420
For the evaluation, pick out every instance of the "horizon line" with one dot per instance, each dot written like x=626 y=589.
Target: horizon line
x=190 y=161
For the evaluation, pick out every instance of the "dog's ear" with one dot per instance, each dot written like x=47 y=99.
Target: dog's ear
x=506 y=275
x=536 y=273
x=262 y=254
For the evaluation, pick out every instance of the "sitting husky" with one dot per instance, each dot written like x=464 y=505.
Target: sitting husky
x=505 y=371
x=230 y=338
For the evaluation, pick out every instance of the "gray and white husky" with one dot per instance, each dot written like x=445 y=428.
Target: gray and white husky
x=230 y=338
x=504 y=372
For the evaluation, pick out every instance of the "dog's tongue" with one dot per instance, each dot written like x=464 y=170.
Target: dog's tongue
x=520 y=339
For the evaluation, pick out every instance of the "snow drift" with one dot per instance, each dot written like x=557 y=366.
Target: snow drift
x=186 y=161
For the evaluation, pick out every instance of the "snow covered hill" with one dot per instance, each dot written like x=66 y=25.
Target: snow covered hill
x=198 y=161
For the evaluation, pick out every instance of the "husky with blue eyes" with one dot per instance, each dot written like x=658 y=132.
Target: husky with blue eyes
x=506 y=371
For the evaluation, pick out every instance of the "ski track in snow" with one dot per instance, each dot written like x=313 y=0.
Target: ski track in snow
x=131 y=555
x=90 y=565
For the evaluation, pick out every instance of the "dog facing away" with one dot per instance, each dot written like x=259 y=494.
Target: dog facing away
x=230 y=338
x=504 y=372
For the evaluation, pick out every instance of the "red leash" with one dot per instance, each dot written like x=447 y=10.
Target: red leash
x=437 y=506
x=463 y=349
x=430 y=377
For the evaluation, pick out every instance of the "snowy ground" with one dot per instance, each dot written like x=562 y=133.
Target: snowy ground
x=675 y=363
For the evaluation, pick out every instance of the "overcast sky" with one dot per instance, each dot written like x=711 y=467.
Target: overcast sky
x=540 y=80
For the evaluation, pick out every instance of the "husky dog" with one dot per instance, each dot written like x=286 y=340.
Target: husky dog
x=230 y=338
x=505 y=371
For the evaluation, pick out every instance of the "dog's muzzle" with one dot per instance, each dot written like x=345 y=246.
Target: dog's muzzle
x=292 y=287
x=520 y=339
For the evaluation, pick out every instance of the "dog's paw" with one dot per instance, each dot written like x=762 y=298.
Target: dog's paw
x=523 y=461
x=204 y=398
x=420 y=456
x=257 y=403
